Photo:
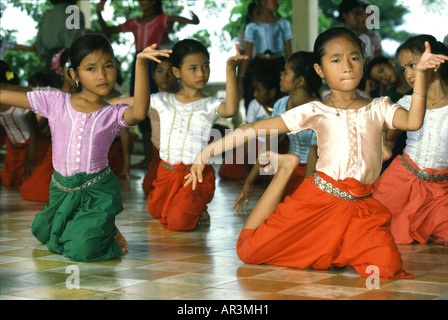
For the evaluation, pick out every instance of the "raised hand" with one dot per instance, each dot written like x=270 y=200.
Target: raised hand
x=430 y=61
x=151 y=53
x=235 y=60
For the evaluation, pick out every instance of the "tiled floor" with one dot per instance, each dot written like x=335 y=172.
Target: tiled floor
x=197 y=265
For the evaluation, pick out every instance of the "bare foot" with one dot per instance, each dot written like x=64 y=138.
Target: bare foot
x=204 y=219
x=121 y=241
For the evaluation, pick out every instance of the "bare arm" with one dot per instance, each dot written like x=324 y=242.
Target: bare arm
x=194 y=19
x=230 y=107
x=139 y=111
x=108 y=30
x=413 y=119
x=232 y=140
x=14 y=96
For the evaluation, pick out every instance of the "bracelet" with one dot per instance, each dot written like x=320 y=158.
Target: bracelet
x=419 y=95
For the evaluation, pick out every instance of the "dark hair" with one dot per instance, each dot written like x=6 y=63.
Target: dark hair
x=270 y=78
x=302 y=64
x=184 y=48
x=68 y=2
x=375 y=61
x=158 y=9
x=348 y=5
x=330 y=34
x=416 y=45
x=85 y=45
x=40 y=79
x=7 y=75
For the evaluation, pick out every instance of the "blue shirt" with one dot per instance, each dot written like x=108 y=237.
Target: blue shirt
x=300 y=142
x=268 y=36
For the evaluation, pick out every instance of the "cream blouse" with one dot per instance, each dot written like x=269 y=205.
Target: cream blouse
x=349 y=145
x=185 y=129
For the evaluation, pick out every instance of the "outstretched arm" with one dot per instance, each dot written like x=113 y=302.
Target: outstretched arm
x=413 y=120
x=139 y=111
x=194 y=19
x=13 y=95
x=230 y=107
x=233 y=140
x=108 y=30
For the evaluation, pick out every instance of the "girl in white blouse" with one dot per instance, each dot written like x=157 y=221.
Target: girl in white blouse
x=415 y=186
x=186 y=120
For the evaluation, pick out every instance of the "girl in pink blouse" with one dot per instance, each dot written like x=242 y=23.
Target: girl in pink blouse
x=79 y=220
x=331 y=219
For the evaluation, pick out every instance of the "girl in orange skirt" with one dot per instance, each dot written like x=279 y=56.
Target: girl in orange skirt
x=331 y=219
x=186 y=120
x=415 y=186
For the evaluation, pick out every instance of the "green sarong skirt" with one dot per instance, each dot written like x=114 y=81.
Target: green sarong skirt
x=79 y=220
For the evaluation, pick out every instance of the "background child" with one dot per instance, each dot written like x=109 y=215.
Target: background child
x=271 y=36
x=415 y=186
x=22 y=137
x=79 y=220
x=165 y=81
x=302 y=84
x=186 y=120
x=266 y=93
x=331 y=219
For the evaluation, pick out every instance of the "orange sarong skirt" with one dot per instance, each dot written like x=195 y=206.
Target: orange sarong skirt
x=179 y=208
x=151 y=175
x=315 y=229
x=419 y=206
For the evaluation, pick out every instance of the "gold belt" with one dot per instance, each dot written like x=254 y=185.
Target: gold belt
x=171 y=168
x=421 y=174
x=83 y=186
x=331 y=189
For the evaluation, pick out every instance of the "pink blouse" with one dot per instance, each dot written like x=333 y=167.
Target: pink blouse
x=146 y=33
x=81 y=141
x=349 y=145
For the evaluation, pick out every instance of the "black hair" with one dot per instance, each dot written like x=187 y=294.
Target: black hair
x=7 y=75
x=68 y=2
x=375 y=61
x=302 y=64
x=270 y=78
x=416 y=45
x=347 y=6
x=184 y=48
x=85 y=45
x=330 y=34
x=158 y=9
x=40 y=79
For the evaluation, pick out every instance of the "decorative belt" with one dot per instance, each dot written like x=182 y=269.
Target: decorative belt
x=269 y=55
x=84 y=185
x=171 y=168
x=331 y=189
x=421 y=174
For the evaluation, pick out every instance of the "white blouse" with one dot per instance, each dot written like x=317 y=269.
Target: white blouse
x=185 y=129
x=428 y=146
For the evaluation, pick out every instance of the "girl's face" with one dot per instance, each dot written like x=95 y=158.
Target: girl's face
x=341 y=64
x=194 y=71
x=408 y=60
x=163 y=76
x=384 y=74
x=262 y=94
x=146 y=5
x=353 y=18
x=270 y=5
x=96 y=73
x=288 y=80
